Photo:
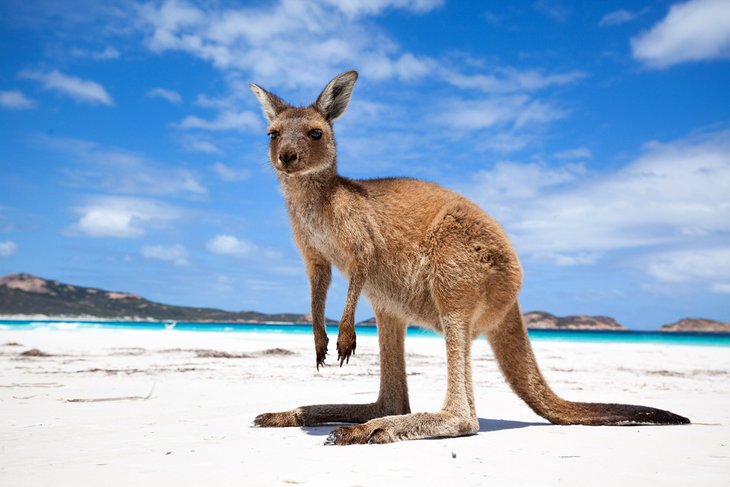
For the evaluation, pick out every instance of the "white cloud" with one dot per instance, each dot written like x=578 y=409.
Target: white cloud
x=200 y=145
x=230 y=245
x=684 y=266
x=553 y=9
x=706 y=267
x=290 y=43
x=354 y=8
x=564 y=260
x=720 y=288
x=108 y=53
x=173 y=253
x=509 y=102
x=290 y=46
x=120 y=217
x=287 y=42
x=538 y=112
x=203 y=100
x=168 y=95
x=617 y=17
x=225 y=120
x=405 y=67
x=79 y=89
x=86 y=19
x=515 y=110
x=230 y=174
x=577 y=153
x=692 y=31
x=8 y=248
x=508 y=181
x=15 y=100
x=510 y=80
x=505 y=141
x=673 y=194
x=122 y=171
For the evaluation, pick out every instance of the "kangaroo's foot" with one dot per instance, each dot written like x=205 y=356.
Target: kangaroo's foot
x=279 y=420
x=346 y=342
x=405 y=427
x=330 y=413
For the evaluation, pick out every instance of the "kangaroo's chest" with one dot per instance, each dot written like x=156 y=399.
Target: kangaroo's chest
x=321 y=234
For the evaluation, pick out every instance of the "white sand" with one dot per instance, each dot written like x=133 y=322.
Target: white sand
x=194 y=428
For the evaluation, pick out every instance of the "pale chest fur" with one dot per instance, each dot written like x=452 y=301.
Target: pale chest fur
x=318 y=231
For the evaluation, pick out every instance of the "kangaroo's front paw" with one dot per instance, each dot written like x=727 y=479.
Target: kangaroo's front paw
x=320 y=347
x=346 y=344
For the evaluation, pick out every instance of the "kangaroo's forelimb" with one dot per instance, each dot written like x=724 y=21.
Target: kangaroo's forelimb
x=346 y=339
x=320 y=276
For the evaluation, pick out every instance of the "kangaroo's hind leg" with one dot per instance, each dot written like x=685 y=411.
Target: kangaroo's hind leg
x=392 y=399
x=457 y=416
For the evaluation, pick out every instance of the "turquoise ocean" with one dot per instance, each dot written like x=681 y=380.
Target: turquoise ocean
x=702 y=339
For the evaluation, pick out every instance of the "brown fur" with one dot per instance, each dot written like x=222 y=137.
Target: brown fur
x=421 y=254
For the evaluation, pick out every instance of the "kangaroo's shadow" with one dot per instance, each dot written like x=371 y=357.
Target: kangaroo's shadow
x=485 y=425
x=322 y=430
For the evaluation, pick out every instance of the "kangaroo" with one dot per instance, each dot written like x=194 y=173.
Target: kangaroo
x=422 y=254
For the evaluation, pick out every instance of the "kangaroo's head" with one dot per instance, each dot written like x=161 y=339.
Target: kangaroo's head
x=301 y=139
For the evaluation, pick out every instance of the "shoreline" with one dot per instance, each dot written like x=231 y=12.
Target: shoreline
x=131 y=319
x=706 y=339
x=89 y=319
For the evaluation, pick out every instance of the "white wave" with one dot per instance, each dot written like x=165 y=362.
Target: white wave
x=64 y=325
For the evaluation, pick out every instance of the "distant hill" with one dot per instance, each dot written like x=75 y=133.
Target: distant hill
x=24 y=294
x=697 y=325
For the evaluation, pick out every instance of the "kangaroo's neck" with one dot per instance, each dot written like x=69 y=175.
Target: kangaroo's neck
x=310 y=192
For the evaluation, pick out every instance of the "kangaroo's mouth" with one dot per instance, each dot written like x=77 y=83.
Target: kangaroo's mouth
x=287 y=169
x=295 y=170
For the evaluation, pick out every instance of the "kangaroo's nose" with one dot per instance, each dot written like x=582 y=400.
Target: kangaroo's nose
x=287 y=157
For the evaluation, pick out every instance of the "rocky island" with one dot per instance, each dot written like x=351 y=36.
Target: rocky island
x=697 y=325
x=541 y=320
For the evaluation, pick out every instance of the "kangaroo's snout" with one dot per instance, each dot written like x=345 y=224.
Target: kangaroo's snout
x=287 y=157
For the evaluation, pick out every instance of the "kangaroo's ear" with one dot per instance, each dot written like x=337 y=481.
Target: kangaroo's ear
x=271 y=104
x=334 y=98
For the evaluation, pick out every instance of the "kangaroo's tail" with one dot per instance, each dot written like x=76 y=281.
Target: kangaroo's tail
x=513 y=351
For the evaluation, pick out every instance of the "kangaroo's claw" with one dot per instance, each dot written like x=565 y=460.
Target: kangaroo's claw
x=320 y=347
x=346 y=345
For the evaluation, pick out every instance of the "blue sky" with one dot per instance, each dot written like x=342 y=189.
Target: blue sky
x=133 y=155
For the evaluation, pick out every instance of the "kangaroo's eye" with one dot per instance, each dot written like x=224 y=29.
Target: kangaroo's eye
x=273 y=134
x=316 y=134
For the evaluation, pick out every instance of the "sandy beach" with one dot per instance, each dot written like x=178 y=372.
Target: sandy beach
x=123 y=407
